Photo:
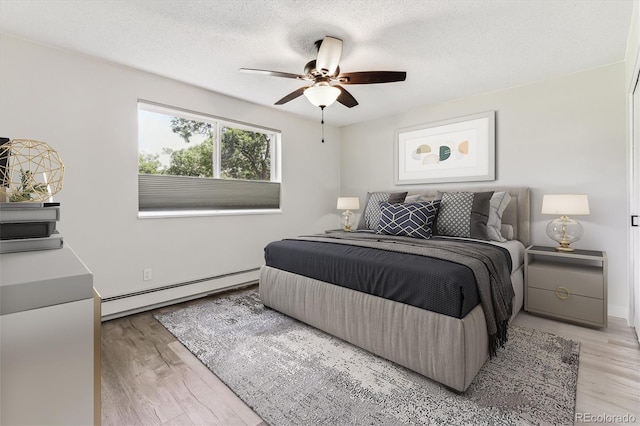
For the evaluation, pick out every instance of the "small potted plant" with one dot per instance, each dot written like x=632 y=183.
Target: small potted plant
x=28 y=189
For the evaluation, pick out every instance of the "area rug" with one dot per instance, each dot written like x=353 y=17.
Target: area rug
x=292 y=374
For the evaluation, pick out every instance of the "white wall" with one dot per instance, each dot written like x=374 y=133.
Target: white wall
x=86 y=109
x=633 y=43
x=632 y=64
x=565 y=135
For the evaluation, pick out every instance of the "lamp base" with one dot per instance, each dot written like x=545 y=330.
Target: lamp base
x=564 y=231
x=347 y=220
x=564 y=248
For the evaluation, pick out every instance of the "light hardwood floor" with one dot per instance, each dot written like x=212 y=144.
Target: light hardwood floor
x=149 y=378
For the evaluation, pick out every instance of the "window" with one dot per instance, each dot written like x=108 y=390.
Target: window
x=199 y=163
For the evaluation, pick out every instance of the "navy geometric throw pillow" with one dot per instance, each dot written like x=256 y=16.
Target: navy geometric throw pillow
x=407 y=219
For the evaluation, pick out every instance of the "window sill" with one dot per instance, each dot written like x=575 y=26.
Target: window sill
x=203 y=213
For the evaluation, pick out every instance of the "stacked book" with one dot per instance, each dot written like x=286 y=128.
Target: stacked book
x=29 y=226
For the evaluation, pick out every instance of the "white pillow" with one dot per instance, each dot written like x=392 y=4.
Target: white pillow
x=499 y=202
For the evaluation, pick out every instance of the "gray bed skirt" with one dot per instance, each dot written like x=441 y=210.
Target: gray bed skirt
x=446 y=349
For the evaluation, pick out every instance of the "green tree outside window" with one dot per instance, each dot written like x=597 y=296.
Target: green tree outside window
x=243 y=154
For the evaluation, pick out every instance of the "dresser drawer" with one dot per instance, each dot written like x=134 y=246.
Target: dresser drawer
x=579 y=280
x=574 y=307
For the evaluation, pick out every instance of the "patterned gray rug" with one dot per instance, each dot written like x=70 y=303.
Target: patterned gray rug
x=292 y=374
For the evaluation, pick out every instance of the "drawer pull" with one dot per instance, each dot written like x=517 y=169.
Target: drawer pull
x=562 y=293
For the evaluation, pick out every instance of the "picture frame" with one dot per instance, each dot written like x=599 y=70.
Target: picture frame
x=457 y=150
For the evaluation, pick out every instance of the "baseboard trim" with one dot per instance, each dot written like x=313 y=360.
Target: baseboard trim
x=167 y=287
x=144 y=300
x=618 y=311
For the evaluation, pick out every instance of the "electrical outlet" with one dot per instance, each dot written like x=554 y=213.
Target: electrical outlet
x=146 y=274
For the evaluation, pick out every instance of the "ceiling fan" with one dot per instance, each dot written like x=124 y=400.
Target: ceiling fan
x=324 y=75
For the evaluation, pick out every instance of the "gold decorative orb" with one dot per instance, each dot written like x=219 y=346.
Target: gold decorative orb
x=29 y=171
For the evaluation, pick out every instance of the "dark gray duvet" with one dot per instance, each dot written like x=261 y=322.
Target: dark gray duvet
x=437 y=285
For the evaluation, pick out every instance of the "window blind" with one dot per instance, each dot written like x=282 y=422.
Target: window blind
x=175 y=193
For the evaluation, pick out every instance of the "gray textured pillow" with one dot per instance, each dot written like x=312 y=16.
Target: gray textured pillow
x=371 y=214
x=499 y=202
x=464 y=214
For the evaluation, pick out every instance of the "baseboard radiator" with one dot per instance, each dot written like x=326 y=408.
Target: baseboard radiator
x=157 y=297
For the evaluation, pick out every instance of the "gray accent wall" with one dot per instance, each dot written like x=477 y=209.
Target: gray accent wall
x=565 y=135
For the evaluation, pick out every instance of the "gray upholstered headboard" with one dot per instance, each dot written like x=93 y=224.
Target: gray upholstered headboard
x=517 y=213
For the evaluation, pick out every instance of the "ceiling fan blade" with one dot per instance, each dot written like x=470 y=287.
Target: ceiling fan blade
x=346 y=98
x=291 y=96
x=272 y=73
x=372 y=77
x=329 y=55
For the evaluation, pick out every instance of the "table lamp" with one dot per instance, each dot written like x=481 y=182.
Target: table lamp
x=565 y=230
x=347 y=204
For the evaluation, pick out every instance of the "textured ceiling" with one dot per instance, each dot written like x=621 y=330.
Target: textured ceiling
x=449 y=48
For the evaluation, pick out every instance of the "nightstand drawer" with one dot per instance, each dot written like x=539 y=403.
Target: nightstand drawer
x=577 y=308
x=577 y=279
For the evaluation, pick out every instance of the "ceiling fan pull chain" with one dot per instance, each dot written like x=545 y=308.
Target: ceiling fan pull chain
x=322 y=121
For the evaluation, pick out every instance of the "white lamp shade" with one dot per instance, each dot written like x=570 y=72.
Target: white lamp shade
x=348 y=203
x=322 y=95
x=565 y=205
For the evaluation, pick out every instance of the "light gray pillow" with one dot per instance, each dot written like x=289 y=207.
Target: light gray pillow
x=507 y=232
x=417 y=198
x=499 y=202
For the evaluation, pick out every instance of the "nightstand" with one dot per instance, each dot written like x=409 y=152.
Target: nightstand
x=334 y=231
x=570 y=286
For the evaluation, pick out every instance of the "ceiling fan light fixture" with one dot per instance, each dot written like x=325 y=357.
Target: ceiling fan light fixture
x=324 y=70
x=322 y=95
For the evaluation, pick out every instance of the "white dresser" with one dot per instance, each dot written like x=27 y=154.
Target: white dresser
x=49 y=369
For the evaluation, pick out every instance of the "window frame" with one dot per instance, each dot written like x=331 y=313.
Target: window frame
x=218 y=123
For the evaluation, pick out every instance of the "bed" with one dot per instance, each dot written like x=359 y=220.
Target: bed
x=448 y=349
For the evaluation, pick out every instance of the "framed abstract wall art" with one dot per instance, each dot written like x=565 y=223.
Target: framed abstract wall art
x=457 y=150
